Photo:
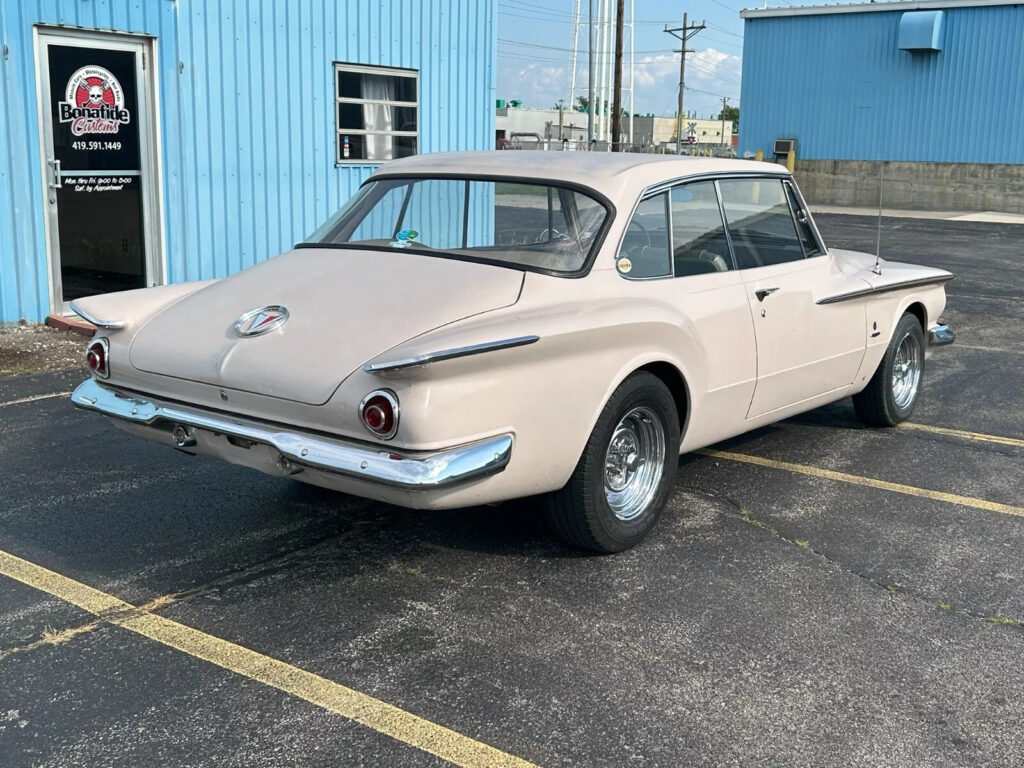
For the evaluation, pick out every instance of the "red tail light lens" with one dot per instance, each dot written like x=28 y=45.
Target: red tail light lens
x=96 y=358
x=379 y=413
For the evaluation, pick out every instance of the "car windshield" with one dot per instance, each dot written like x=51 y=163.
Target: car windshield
x=533 y=225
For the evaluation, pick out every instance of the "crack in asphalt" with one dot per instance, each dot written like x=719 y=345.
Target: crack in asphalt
x=891 y=590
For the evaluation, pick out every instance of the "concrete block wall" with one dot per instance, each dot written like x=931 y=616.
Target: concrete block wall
x=913 y=185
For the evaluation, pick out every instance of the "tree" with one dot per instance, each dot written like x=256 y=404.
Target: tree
x=729 y=112
x=584 y=103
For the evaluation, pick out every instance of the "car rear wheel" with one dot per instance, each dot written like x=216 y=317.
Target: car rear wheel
x=626 y=472
x=890 y=396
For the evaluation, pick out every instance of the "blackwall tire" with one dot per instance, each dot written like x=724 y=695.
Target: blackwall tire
x=628 y=468
x=892 y=393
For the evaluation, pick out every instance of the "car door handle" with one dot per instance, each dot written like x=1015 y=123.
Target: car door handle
x=762 y=292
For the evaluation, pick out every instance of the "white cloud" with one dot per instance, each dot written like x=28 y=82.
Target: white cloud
x=656 y=79
x=537 y=85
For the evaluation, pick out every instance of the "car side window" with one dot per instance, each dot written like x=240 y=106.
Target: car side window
x=699 y=244
x=803 y=223
x=760 y=223
x=645 y=243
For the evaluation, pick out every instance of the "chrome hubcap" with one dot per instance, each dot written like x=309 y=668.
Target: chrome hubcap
x=906 y=372
x=634 y=463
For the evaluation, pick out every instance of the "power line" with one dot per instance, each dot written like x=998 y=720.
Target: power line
x=683 y=34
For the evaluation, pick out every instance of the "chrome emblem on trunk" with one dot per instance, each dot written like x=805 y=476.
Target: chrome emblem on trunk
x=256 y=322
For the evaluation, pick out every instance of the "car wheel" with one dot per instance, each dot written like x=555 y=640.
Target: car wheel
x=890 y=396
x=626 y=472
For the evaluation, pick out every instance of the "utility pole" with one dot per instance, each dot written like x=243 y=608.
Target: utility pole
x=683 y=34
x=617 y=96
x=561 y=118
x=725 y=101
x=590 y=81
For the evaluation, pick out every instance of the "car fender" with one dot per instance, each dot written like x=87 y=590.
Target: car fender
x=586 y=355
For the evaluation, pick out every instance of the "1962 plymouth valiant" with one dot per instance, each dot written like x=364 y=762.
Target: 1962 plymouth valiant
x=475 y=327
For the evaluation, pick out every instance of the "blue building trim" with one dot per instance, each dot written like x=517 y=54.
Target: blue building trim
x=246 y=118
x=837 y=81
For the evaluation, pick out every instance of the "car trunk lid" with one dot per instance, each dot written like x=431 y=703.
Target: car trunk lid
x=345 y=307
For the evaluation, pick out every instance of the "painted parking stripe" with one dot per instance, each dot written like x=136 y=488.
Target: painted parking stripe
x=870 y=482
x=991 y=349
x=999 y=439
x=382 y=717
x=33 y=398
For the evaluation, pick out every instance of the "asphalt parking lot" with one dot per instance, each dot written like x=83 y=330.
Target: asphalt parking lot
x=817 y=593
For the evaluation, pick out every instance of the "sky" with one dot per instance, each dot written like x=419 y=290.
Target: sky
x=535 y=42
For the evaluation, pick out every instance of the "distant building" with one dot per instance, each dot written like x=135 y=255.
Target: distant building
x=934 y=89
x=656 y=131
x=525 y=127
x=528 y=125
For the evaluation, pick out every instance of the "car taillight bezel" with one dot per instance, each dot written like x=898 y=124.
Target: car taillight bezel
x=100 y=348
x=373 y=400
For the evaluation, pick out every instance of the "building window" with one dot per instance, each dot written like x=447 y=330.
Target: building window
x=377 y=113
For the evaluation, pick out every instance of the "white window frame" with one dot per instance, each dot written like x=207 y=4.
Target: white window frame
x=340 y=133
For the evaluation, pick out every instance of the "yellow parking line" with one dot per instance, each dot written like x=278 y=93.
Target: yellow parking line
x=34 y=398
x=991 y=349
x=964 y=434
x=373 y=713
x=870 y=482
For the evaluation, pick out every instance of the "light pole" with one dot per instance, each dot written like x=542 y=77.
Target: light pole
x=590 y=82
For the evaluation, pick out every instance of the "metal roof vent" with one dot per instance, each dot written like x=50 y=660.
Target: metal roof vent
x=921 y=31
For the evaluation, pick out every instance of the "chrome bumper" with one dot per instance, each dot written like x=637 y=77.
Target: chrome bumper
x=940 y=335
x=414 y=471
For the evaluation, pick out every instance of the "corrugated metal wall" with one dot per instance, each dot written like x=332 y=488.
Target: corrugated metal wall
x=247 y=117
x=839 y=85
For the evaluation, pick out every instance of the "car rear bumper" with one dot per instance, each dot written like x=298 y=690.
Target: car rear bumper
x=296 y=450
x=940 y=335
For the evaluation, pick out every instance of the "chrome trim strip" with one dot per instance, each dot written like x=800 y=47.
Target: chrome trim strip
x=412 y=471
x=862 y=292
x=940 y=335
x=449 y=354
x=661 y=186
x=111 y=324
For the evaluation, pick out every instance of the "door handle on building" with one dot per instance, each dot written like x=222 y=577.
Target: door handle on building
x=762 y=292
x=56 y=183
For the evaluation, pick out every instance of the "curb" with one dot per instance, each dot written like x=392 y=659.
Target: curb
x=70 y=324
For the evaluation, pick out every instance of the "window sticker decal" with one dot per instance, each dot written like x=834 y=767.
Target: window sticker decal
x=405 y=238
x=94 y=102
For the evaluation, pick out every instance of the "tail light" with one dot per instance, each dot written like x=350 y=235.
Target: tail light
x=96 y=358
x=379 y=413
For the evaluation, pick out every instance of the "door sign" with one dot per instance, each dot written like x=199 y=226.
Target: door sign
x=94 y=103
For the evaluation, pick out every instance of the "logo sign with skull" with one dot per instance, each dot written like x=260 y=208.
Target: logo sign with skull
x=93 y=102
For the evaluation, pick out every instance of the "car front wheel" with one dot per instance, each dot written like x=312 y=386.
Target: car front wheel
x=890 y=396
x=626 y=472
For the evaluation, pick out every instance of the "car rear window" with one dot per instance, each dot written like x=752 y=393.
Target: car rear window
x=531 y=225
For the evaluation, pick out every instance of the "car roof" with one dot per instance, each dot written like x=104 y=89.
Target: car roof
x=602 y=171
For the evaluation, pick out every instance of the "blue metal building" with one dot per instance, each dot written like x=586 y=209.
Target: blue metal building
x=924 y=81
x=169 y=140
